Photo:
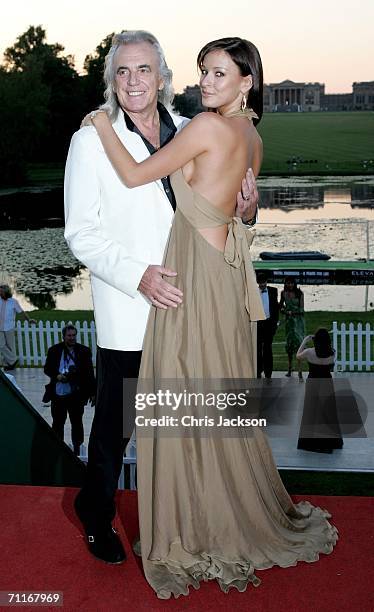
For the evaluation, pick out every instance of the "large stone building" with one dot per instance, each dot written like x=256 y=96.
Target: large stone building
x=337 y=102
x=291 y=96
x=363 y=95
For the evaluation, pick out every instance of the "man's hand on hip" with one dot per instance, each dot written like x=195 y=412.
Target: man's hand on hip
x=247 y=198
x=160 y=293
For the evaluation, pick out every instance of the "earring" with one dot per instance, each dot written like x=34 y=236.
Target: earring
x=243 y=104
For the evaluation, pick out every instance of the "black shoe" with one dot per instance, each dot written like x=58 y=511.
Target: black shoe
x=104 y=544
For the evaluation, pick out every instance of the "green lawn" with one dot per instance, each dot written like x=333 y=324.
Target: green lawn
x=46 y=173
x=61 y=315
x=340 y=142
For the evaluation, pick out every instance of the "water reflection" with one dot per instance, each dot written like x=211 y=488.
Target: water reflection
x=36 y=261
x=38 y=265
x=302 y=200
x=337 y=196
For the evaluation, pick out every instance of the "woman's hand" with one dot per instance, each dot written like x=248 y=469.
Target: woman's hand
x=247 y=198
x=89 y=119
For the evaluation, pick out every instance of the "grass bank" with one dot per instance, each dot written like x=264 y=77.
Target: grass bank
x=324 y=143
x=320 y=143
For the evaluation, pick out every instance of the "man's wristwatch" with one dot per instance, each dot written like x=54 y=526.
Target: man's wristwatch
x=252 y=221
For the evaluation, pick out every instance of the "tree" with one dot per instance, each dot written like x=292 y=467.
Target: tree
x=188 y=103
x=32 y=54
x=24 y=111
x=94 y=67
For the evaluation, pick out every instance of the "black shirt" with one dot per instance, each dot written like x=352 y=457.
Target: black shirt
x=167 y=132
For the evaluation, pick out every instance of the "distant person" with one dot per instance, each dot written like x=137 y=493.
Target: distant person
x=292 y=306
x=9 y=307
x=266 y=329
x=319 y=430
x=69 y=366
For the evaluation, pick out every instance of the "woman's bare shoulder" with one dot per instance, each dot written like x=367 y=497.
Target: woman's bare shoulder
x=208 y=120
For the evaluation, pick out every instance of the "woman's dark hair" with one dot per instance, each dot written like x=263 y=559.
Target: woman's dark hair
x=246 y=56
x=322 y=343
x=296 y=290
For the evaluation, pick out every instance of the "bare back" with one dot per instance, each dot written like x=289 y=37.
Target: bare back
x=234 y=146
x=311 y=357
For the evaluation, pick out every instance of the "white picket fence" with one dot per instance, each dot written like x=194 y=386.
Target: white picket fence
x=354 y=346
x=33 y=341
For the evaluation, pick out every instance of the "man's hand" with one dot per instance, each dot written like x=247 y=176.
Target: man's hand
x=160 y=293
x=247 y=198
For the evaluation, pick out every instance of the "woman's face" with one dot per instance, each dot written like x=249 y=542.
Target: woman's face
x=289 y=285
x=222 y=85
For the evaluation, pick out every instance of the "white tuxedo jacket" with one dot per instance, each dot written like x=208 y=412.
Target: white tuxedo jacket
x=116 y=232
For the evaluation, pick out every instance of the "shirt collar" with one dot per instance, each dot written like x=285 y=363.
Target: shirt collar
x=167 y=127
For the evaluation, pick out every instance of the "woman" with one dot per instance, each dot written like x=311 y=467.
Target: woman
x=292 y=306
x=214 y=506
x=319 y=430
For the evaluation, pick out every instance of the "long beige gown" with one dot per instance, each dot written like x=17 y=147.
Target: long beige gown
x=212 y=507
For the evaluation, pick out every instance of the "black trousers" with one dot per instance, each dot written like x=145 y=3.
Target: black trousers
x=107 y=441
x=71 y=405
x=265 y=334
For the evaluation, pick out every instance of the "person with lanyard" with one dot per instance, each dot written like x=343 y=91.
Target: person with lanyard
x=69 y=366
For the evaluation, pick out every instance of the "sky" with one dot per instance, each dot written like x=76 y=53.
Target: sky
x=329 y=41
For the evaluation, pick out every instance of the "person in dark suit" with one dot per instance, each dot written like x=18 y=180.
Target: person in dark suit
x=69 y=366
x=267 y=328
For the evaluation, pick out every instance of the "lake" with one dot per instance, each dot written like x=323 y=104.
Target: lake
x=331 y=214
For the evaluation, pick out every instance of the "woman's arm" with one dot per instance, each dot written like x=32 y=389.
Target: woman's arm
x=257 y=157
x=192 y=141
x=303 y=352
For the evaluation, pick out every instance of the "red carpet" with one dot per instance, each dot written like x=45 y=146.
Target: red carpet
x=42 y=549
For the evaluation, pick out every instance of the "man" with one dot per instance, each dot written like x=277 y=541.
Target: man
x=120 y=235
x=267 y=328
x=9 y=307
x=69 y=366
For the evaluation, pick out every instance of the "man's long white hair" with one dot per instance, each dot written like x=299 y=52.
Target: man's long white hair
x=165 y=96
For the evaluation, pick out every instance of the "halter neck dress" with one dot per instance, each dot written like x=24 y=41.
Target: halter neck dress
x=212 y=506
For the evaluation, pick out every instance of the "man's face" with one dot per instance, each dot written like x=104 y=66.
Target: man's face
x=137 y=77
x=262 y=285
x=70 y=337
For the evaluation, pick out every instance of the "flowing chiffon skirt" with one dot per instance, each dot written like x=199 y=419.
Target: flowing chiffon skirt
x=212 y=506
